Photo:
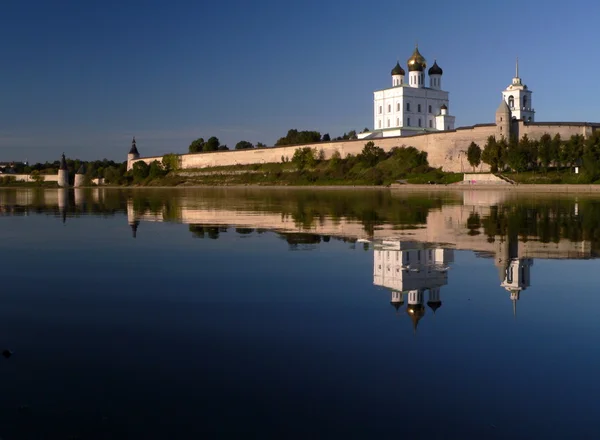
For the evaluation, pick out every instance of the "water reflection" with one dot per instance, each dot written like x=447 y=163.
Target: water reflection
x=187 y=322
x=410 y=269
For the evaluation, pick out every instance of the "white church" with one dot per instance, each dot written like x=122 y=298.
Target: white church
x=409 y=107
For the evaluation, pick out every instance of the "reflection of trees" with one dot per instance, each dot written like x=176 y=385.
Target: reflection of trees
x=306 y=207
x=548 y=220
x=201 y=231
x=473 y=224
x=244 y=231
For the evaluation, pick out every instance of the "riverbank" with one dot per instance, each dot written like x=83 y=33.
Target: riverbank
x=539 y=188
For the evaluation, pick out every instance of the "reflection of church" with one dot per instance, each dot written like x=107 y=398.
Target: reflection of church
x=409 y=269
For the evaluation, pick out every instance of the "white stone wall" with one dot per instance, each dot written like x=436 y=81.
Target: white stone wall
x=445 y=149
x=27 y=177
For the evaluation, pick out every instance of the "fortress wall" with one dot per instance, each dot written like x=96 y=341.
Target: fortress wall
x=537 y=130
x=444 y=149
x=27 y=177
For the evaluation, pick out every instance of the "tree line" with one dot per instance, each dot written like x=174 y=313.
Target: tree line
x=293 y=137
x=527 y=154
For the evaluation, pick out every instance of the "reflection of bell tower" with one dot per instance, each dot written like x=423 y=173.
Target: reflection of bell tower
x=516 y=278
x=415 y=308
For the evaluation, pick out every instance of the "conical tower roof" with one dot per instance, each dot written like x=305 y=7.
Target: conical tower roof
x=503 y=107
x=63 y=163
x=133 y=149
x=81 y=169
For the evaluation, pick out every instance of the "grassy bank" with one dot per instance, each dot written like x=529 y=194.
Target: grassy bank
x=551 y=177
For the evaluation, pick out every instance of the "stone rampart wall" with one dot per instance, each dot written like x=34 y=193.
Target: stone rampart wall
x=445 y=149
x=566 y=130
x=27 y=177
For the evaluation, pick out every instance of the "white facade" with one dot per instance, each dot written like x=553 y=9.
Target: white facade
x=518 y=98
x=409 y=107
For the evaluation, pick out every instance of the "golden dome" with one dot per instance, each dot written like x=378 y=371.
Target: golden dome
x=416 y=62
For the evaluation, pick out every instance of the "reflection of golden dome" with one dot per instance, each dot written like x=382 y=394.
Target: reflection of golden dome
x=416 y=312
x=416 y=62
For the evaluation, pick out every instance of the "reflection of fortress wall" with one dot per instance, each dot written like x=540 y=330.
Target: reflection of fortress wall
x=445 y=226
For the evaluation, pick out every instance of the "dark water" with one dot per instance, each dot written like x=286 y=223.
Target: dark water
x=298 y=314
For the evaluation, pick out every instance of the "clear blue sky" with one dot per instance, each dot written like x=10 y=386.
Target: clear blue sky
x=85 y=76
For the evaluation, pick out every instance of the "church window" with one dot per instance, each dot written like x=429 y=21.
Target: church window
x=419 y=108
x=419 y=122
x=388 y=123
x=398 y=107
x=380 y=109
x=379 y=123
x=429 y=109
x=408 y=121
x=448 y=128
x=398 y=122
x=430 y=124
x=408 y=106
x=525 y=102
x=389 y=108
x=511 y=101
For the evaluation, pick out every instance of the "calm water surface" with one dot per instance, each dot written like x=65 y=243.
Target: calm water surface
x=298 y=314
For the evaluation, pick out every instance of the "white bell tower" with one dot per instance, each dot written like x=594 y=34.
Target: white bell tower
x=518 y=98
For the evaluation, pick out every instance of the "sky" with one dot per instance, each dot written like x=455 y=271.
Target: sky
x=85 y=77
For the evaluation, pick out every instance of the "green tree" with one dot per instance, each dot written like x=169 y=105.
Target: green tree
x=212 y=144
x=295 y=137
x=260 y=145
x=243 y=145
x=545 y=153
x=305 y=157
x=326 y=137
x=371 y=154
x=573 y=150
x=197 y=146
x=140 y=171
x=516 y=158
x=155 y=170
x=492 y=154
x=555 y=151
x=474 y=155
x=171 y=162
x=591 y=157
x=37 y=177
